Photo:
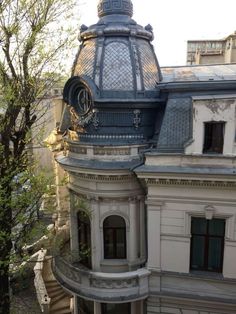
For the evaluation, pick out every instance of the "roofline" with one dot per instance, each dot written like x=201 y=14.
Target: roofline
x=196 y=65
x=197 y=85
x=205 y=40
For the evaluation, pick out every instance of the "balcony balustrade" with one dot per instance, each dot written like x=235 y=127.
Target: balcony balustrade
x=98 y=286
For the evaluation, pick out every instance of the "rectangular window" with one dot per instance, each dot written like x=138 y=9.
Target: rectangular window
x=207 y=244
x=111 y=308
x=214 y=138
x=85 y=306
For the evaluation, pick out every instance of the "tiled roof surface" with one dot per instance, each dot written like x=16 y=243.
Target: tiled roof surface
x=199 y=73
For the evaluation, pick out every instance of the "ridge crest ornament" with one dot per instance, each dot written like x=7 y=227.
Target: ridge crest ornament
x=107 y=7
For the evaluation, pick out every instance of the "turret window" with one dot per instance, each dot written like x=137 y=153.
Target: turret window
x=114 y=231
x=112 y=308
x=84 y=237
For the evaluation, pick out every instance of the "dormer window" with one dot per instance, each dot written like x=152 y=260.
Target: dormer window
x=213 y=137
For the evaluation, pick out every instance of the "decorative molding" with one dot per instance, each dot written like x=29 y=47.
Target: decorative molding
x=229 y=220
x=115 y=212
x=107 y=178
x=67 y=269
x=95 y=120
x=112 y=136
x=191 y=182
x=209 y=212
x=78 y=150
x=112 y=151
x=114 y=283
x=137 y=118
x=106 y=7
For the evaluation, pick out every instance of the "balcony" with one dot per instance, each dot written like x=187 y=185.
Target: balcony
x=101 y=287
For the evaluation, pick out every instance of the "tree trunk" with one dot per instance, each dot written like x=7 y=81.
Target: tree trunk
x=5 y=248
x=4 y=290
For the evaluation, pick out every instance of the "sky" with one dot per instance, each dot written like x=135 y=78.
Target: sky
x=176 y=21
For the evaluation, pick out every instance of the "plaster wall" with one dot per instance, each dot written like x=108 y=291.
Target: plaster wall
x=182 y=306
x=205 y=59
x=179 y=204
x=219 y=110
x=130 y=208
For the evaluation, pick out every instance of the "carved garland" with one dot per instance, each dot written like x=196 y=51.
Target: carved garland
x=113 y=283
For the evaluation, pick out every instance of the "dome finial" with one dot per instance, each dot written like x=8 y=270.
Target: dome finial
x=107 y=7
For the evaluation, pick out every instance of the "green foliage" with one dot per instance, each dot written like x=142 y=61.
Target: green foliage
x=34 y=42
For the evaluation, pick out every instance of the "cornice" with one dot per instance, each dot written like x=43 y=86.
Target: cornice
x=191 y=182
x=104 y=178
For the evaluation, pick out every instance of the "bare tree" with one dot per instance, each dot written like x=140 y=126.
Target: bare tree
x=34 y=38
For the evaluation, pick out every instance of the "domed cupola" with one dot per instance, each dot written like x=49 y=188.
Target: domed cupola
x=113 y=88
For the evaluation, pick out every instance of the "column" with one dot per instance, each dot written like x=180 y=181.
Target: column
x=75 y=304
x=154 y=234
x=74 y=241
x=142 y=230
x=133 y=233
x=95 y=234
x=97 y=308
x=63 y=205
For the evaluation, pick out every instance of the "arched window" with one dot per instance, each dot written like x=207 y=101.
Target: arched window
x=114 y=231
x=84 y=236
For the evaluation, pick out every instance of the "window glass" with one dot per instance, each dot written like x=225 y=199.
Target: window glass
x=198 y=244
x=120 y=243
x=207 y=244
x=214 y=253
x=85 y=306
x=217 y=227
x=114 y=222
x=123 y=308
x=199 y=225
x=84 y=238
x=114 y=233
x=214 y=137
x=109 y=243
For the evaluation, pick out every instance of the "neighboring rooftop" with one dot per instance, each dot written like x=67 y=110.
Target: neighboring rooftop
x=199 y=73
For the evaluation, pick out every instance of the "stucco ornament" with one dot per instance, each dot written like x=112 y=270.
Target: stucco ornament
x=107 y=7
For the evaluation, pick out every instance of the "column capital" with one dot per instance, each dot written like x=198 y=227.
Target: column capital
x=154 y=204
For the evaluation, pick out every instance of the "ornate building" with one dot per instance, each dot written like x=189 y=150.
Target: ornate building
x=151 y=164
x=212 y=51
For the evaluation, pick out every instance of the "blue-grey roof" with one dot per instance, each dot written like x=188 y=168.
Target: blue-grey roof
x=99 y=165
x=217 y=72
x=187 y=170
x=176 y=129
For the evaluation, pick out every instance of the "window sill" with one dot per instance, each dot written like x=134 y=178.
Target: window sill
x=114 y=262
x=200 y=275
x=206 y=274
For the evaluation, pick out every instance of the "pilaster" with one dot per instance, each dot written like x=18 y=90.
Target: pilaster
x=154 y=234
x=133 y=234
x=95 y=232
x=74 y=241
x=97 y=308
x=143 y=249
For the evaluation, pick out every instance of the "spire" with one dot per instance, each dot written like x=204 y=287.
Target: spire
x=107 y=7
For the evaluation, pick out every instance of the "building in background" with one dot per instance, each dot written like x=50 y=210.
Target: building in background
x=48 y=118
x=212 y=51
x=150 y=222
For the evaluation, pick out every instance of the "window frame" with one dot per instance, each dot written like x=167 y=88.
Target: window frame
x=114 y=237
x=207 y=237
x=206 y=142
x=104 y=309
